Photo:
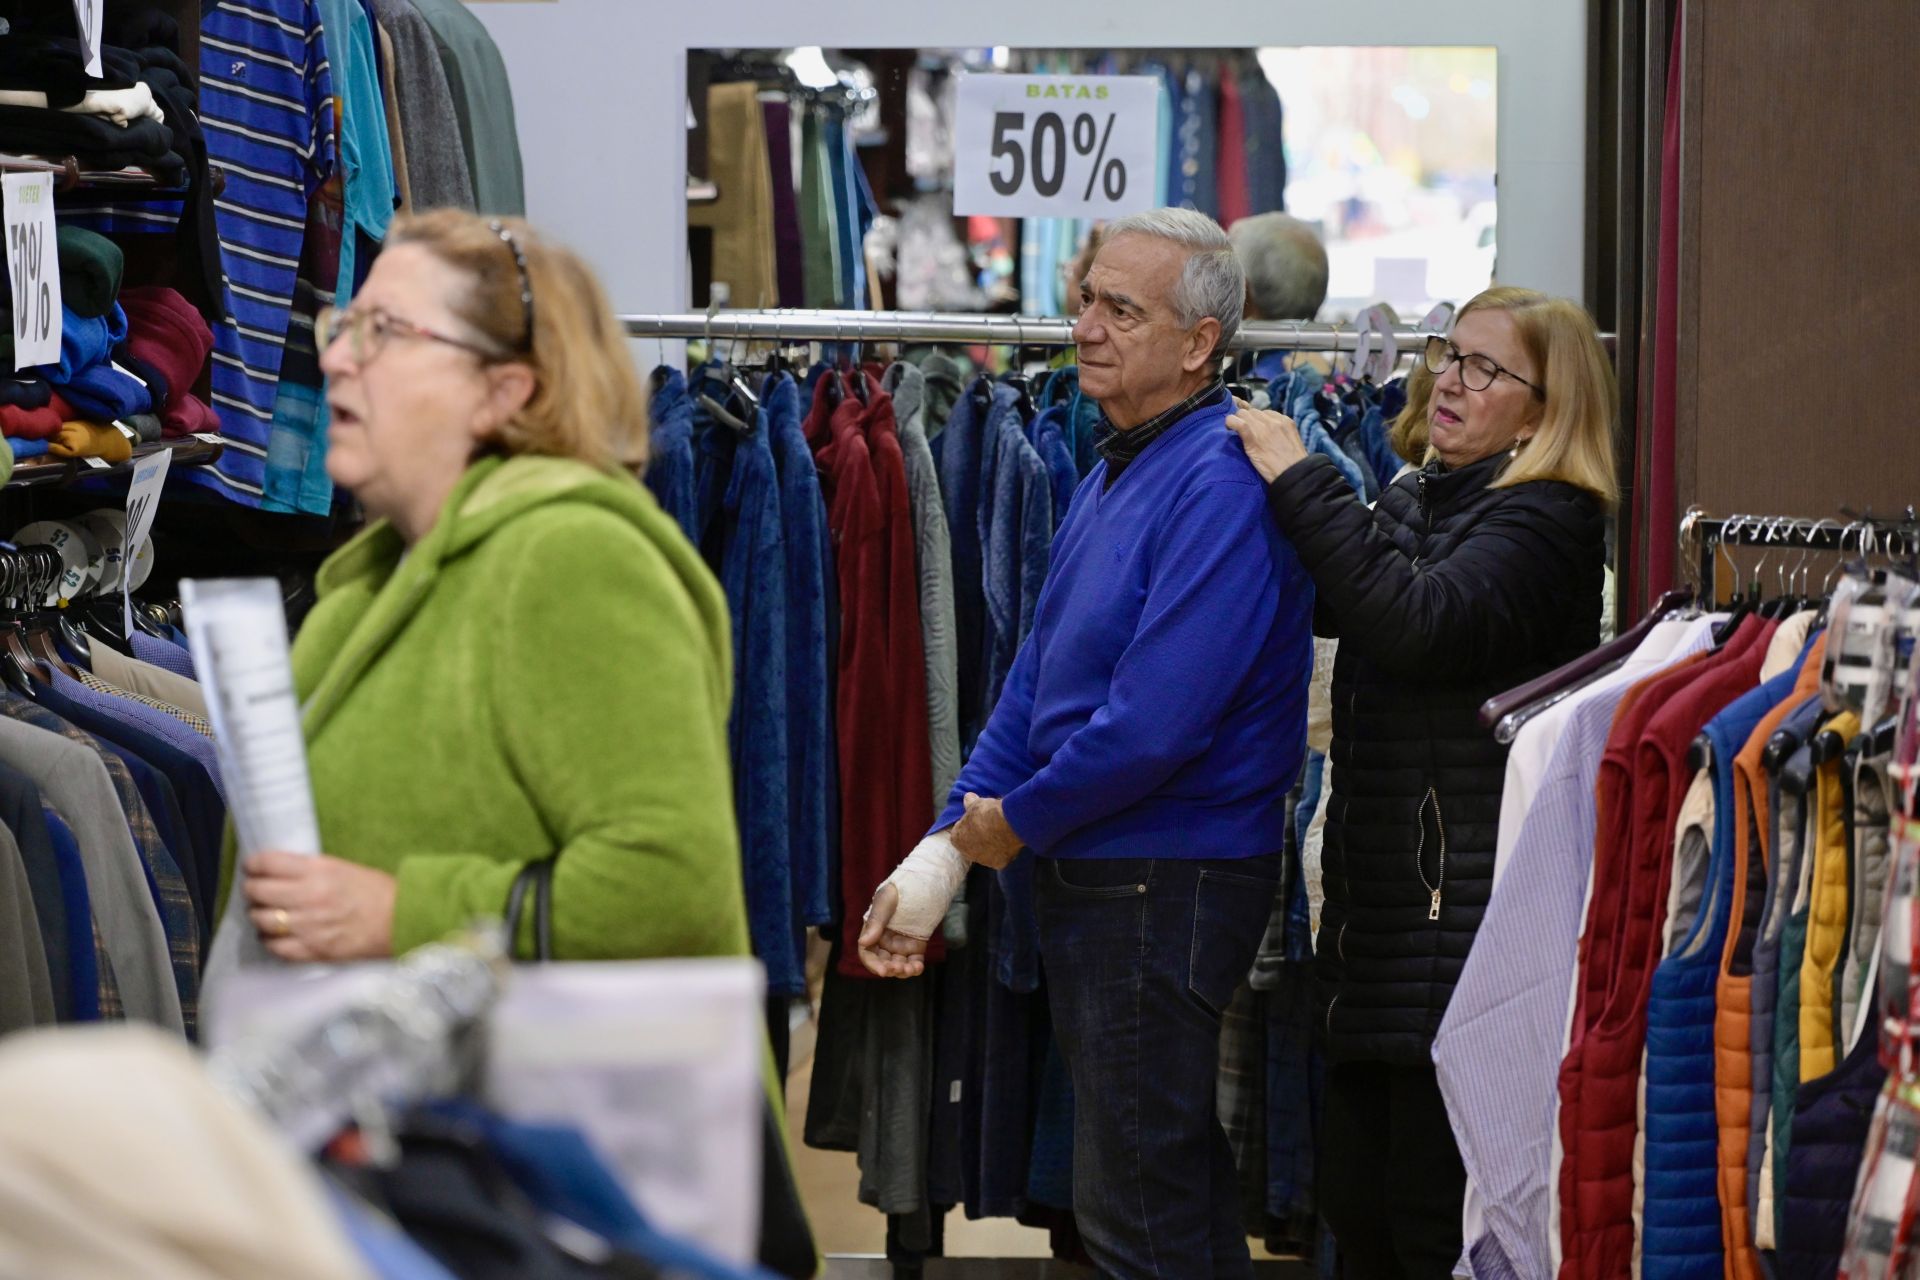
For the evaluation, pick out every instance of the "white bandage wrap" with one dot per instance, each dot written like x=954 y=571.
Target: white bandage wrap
x=926 y=882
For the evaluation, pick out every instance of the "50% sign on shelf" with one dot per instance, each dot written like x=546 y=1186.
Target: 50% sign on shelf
x=1056 y=146
x=33 y=263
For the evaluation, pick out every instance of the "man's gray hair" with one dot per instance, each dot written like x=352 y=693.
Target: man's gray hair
x=1212 y=283
x=1286 y=265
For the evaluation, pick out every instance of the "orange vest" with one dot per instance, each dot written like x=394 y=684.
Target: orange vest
x=1733 y=993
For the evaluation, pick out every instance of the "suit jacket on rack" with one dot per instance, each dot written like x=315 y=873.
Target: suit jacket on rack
x=74 y=779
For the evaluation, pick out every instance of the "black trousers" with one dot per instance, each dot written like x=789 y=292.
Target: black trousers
x=1391 y=1184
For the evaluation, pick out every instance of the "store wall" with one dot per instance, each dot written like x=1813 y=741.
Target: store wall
x=1799 y=268
x=598 y=86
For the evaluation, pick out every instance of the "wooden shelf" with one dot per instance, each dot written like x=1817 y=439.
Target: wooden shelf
x=188 y=451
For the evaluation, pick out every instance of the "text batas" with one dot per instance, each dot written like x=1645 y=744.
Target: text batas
x=1056 y=146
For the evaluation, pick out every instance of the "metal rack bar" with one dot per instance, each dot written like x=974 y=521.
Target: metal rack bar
x=188 y=451
x=1041 y=331
x=1706 y=535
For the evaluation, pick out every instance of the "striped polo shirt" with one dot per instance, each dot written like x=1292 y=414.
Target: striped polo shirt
x=266 y=103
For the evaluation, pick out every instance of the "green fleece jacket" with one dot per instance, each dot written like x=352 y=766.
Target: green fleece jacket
x=546 y=672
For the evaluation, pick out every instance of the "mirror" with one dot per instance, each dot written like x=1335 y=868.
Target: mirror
x=825 y=177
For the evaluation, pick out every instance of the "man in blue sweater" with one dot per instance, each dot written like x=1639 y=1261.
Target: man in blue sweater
x=1142 y=750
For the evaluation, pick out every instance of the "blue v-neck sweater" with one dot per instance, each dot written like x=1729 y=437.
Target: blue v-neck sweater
x=1158 y=710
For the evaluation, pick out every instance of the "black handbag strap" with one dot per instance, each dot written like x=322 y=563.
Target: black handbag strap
x=539 y=877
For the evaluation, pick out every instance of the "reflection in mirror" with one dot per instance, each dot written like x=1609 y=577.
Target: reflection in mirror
x=825 y=177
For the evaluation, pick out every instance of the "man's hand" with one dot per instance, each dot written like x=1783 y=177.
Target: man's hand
x=984 y=835
x=319 y=908
x=885 y=953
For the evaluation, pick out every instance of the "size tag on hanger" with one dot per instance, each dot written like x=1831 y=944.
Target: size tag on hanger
x=143 y=500
x=1055 y=146
x=1440 y=319
x=33 y=264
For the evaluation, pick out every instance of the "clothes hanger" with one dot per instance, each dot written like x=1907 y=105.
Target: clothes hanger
x=1741 y=605
x=1506 y=713
x=741 y=387
x=19 y=667
x=1779 y=605
x=1016 y=376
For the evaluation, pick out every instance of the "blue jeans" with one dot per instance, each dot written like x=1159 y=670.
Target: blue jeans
x=1141 y=958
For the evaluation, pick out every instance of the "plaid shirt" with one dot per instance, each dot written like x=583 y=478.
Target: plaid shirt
x=1120 y=448
x=188 y=718
x=111 y=1008
x=168 y=886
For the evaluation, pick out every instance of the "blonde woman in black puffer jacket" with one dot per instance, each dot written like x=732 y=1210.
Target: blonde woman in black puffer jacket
x=1471 y=575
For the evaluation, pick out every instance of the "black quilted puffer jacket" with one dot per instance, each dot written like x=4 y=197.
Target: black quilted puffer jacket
x=1444 y=594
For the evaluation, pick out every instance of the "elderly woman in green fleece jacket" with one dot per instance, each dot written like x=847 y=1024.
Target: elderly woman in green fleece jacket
x=522 y=657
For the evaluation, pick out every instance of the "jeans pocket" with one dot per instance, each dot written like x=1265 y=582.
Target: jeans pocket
x=1230 y=914
x=1100 y=877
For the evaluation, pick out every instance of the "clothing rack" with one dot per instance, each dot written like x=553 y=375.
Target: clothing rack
x=1704 y=537
x=70 y=175
x=400 y=1043
x=795 y=325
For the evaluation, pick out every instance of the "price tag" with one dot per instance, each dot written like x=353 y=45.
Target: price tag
x=143 y=500
x=97 y=464
x=1055 y=146
x=206 y=437
x=87 y=12
x=133 y=437
x=33 y=260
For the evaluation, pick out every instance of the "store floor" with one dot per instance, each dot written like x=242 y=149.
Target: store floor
x=854 y=1236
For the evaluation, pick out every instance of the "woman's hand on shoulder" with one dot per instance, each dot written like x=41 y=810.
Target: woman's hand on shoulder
x=1271 y=439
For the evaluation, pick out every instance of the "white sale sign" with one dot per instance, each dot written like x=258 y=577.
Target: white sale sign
x=33 y=262
x=1056 y=146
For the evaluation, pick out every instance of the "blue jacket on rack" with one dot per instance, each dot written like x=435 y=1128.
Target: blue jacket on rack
x=753 y=571
x=1681 y=1234
x=810 y=741
x=670 y=449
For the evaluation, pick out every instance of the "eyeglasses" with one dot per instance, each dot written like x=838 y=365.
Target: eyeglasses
x=1476 y=371
x=368 y=332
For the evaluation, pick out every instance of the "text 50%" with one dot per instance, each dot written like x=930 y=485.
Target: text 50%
x=1041 y=155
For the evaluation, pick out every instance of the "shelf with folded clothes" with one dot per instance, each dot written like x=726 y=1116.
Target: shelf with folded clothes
x=48 y=468
x=71 y=175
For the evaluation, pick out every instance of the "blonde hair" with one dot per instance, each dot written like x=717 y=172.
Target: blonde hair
x=1574 y=443
x=588 y=403
x=1408 y=435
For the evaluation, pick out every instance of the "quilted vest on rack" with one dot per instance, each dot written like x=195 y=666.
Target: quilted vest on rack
x=1681 y=1234
x=1737 y=993
x=1642 y=781
x=1784 y=826
x=1830 y=1123
x=1827 y=915
x=1797 y=801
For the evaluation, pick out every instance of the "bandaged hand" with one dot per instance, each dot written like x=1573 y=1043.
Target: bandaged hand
x=909 y=906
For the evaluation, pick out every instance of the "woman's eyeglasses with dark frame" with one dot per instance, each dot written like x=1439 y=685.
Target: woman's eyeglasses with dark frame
x=1477 y=372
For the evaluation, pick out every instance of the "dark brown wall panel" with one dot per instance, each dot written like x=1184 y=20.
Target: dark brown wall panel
x=1802 y=222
